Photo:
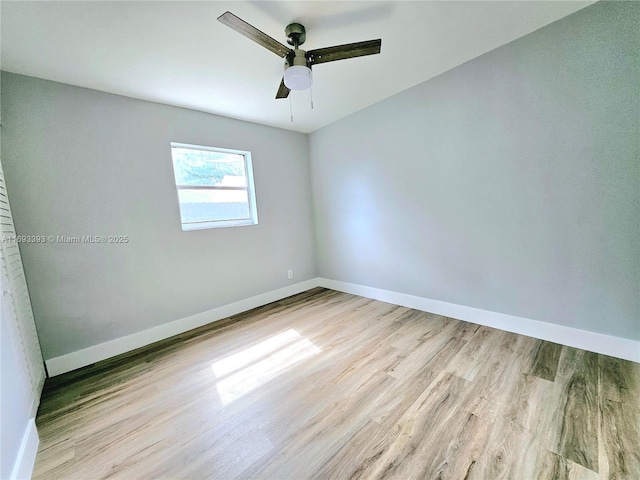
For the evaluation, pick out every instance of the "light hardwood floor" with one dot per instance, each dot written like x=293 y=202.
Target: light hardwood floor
x=330 y=385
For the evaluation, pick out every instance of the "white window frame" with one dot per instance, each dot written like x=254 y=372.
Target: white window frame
x=250 y=188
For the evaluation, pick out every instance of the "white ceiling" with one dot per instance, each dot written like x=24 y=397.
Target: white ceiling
x=176 y=52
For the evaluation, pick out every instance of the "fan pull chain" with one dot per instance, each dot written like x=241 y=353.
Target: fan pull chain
x=290 y=108
x=311 y=94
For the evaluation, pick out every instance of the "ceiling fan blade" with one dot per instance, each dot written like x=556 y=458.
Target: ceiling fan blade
x=283 y=91
x=342 y=52
x=252 y=33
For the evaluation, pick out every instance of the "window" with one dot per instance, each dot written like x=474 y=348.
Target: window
x=215 y=187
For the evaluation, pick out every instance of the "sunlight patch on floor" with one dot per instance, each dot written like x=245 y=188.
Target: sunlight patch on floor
x=256 y=365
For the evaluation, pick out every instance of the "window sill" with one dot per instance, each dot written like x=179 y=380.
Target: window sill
x=186 y=227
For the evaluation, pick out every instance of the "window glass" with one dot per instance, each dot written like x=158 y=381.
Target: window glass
x=215 y=187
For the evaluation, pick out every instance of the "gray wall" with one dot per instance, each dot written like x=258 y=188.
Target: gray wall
x=82 y=162
x=510 y=183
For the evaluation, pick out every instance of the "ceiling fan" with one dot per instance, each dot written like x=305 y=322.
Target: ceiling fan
x=297 y=62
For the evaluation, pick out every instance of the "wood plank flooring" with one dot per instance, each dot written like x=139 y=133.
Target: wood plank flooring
x=329 y=385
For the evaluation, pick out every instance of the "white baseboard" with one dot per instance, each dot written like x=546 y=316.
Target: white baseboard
x=594 y=342
x=102 y=351
x=23 y=468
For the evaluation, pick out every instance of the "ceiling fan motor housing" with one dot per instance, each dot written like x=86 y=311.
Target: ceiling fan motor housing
x=299 y=57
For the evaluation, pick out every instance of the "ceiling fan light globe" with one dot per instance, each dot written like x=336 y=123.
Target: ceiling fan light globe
x=298 y=77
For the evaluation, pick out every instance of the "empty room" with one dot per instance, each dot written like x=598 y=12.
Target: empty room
x=317 y=239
